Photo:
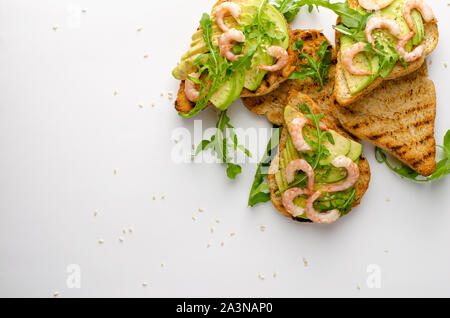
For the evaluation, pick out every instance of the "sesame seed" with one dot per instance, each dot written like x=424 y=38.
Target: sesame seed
x=115 y=171
x=145 y=56
x=116 y=92
x=262 y=228
x=358 y=287
x=139 y=29
x=208 y=245
x=261 y=277
x=55 y=28
x=95 y=212
x=217 y=221
x=212 y=229
x=56 y=294
x=154 y=197
x=84 y=10
x=162 y=94
x=445 y=65
x=162 y=264
x=386 y=250
x=101 y=241
x=144 y=284
x=121 y=239
x=163 y=196
x=222 y=244
x=140 y=106
x=232 y=234
x=153 y=104
x=200 y=210
x=275 y=275
x=305 y=262
x=388 y=199
x=130 y=229
x=124 y=230
x=194 y=218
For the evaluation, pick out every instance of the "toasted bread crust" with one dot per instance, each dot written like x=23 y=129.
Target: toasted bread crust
x=361 y=185
x=271 y=81
x=398 y=117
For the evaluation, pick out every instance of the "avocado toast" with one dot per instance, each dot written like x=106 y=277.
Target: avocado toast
x=383 y=62
x=228 y=66
x=340 y=145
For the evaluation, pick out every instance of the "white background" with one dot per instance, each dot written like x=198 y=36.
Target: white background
x=63 y=132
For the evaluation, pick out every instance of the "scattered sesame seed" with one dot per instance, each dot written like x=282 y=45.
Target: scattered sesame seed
x=262 y=228
x=448 y=4
x=141 y=106
x=193 y=147
x=95 y=212
x=261 y=276
x=222 y=244
x=358 y=287
x=200 y=210
x=162 y=94
x=163 y=196
x=232 y=234
x=116 y=92
x=144 y=284
x=194 y=218
x=154 y=197
x=130 y=229
x=84 y=10
x=208 y=245
x=445 y=65
x=115 y=171
x=388 y=199
x=124 y=230
x=162 y=264
x=275 y=275
x=145 y=56
x=55 y=28
x=386 y=250
x=139 y=29
x=305 y=262
x=56 y=294
x=121 y=239
x=153 y=104
x=217 y=221
x=212 y=229
x=101 y=241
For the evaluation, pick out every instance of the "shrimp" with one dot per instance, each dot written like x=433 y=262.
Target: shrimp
x=352 y=174
x=409 y=56
x=349 y=55
x=296 y=131
x=333 y=215
x=282 y=56
x=317 y=217
x=381 y=23
x=226 y=43
x=227 y=8
x=190 y=90
x=288 y=201
x=303 y=165
x=424 y=9
x=373 y=5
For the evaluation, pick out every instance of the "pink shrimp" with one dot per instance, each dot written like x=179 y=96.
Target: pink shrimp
x=303 y=165
x=226 y=43
x=381 y=23
x=288 y=201
x=190 y=90
x=373 y=5
x=409 y=56
x=349 y=55
x=333 y=215
x=225 y=9
x=352 y=174
x=296 y=131
x=424 y=9
x=317 y=217
x=279 y=53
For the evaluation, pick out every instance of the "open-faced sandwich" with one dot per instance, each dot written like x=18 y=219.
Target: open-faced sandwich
x=383 y=40
x=319 y=174
x=243 y=48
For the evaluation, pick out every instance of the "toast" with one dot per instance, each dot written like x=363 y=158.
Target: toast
x=398 y=117
x=271 y=81
x=361 y=186
x=341 y=90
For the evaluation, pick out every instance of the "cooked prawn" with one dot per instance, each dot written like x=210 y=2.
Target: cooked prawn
x=225 y=9
x=424 y=9
x=352 y=174
x=349 y=55
x=409 y=56
x=317 y=217
x=190 y=90
x=303 y=165
x=296 y=131
x=373 y=5
x=279 y=53
x=288 y=201
x=226 y=43
x=381 y=23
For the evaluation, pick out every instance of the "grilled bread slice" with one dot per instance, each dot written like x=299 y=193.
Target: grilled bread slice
x=398 y=117
x=341 y=90
x=271 y=81
x=361 y=186
x=272 y=105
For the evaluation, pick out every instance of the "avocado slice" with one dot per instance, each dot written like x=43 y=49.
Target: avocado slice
x=420 y=30
x=357 y=83
x=341 y=147
x=355 y=151
x=223 y=97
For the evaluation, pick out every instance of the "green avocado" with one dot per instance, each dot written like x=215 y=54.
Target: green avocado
x=357 y=83
x=355 y=151
x=223 y=96
x=420 y=30
x=340 y=147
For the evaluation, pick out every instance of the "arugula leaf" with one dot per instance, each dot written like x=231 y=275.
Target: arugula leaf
x=316 y=68
x=220 y=144
x=442 y=167
x=258 y=192
x=287 y=8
